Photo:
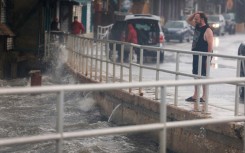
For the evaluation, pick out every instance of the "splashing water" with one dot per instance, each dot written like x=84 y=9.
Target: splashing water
x=113 y=111
x=87 y=104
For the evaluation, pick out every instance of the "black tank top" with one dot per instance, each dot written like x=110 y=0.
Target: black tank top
x=199 y=44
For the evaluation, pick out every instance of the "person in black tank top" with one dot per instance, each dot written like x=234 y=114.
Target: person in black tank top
x=202 y=42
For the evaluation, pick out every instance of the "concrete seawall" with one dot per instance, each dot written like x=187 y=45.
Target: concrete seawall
x=134 y=109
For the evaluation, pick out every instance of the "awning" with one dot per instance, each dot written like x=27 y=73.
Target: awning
x=5 y=30
x=82 y=1
x=79 y=1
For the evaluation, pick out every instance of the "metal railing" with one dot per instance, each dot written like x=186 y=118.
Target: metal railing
x=103 y=31
x=95 y=59
x=162 y=127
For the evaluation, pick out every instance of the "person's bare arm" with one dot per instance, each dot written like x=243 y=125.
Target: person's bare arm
x=190 y=20
x=209 y=38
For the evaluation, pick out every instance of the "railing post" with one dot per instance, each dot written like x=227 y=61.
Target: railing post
x=163 y=119
x=121 y=61
x=101 y=58
x=60 y=121
x=205 y=104
x=107 y=61
x=76 y=54
x=79 y=57
x=83 y=55
x=114 y=62
x=176 y=88
x=96 y=60
x=86 y=56
x=141 y=70
x=197 y=103
x=237 y=88
x=73 y=51
x=91 y=58
x=130 y=67
x=157 y=72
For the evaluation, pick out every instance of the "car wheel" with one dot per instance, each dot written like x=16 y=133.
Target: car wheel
x=188 y=38
x=161 y=57
x=234 y=30
x=181 y=39
x=231 y=30
x=218 y=33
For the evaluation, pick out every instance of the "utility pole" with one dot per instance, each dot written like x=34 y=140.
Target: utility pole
x=160 y=8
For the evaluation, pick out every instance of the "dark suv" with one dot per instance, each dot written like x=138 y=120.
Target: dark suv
x=148 y=30
x=230 y=24
x=241 y=52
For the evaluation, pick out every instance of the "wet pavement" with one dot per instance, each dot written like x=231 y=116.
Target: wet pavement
x=221 y=97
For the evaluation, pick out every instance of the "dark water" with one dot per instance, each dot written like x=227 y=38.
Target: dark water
x=26 y=115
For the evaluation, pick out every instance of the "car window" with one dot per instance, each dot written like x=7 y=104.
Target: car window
x=147 y=31
x=173 y=24
x=213 y=18
x=146 y=25
x=229 y=16
x=142 y=27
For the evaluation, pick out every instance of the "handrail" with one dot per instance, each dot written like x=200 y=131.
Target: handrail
x=105 y=48
x=103 y=31
x=83 y=60
x=60 y=135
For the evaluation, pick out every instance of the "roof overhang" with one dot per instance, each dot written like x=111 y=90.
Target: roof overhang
x=78 y=1
x=5 y=30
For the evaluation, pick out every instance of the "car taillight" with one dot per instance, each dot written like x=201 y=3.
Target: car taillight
x=161 y=38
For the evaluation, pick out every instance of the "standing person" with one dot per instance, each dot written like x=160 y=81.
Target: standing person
x=55 y=24
x=131 y=38
x=77 y=27
x=202 y=42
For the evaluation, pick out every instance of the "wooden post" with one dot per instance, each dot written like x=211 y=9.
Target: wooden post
x=36 y=77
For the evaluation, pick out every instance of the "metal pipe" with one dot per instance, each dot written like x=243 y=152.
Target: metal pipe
x=60 y=121
x=86 y=56
x=111 y=86
x=101 y=58
x=157 y=73
x=205 y=105
x=197 y=103
x=163 y=120
x=176 y=93
x=96 y=60
x=114 y=62
x=91 y=58
x=141 y=70
x=107 y=60
x=121 y=61
x=130 y=68
x=237 y=88
x=118 y=130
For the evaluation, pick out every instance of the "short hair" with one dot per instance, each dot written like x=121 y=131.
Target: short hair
x=204 y=17
x=75 y=17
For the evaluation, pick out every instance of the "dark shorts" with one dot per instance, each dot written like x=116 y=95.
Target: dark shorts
x=195 y=65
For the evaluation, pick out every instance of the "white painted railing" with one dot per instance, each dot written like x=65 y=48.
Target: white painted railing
x=92 y=59
x=60 y=135
x=103 y=31
x=88 y=58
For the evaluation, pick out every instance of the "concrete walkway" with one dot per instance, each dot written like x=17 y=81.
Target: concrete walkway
x=216 y=108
